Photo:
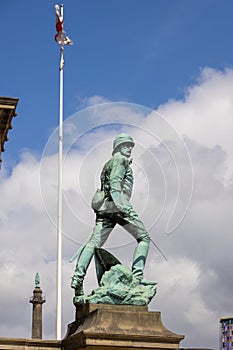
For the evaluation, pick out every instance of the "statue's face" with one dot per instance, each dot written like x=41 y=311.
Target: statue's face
x=126 y=149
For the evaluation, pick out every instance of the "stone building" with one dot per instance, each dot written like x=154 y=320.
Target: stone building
x=226 y=333
x=7 y=112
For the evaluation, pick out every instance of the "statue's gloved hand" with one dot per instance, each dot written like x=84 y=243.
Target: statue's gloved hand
x=127 y=211
x=123 y=207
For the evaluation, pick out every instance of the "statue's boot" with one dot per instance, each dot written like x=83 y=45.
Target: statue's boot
x=139 y=260
x=81 y=269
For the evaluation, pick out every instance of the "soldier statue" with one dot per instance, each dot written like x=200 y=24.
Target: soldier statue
x=114 y=207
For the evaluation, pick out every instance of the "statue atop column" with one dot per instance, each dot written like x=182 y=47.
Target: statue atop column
x=37 y=300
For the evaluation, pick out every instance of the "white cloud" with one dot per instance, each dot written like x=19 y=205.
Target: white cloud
x=206 y=113
x=92 y=100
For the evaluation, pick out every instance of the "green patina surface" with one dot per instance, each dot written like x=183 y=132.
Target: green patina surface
x=112 y=206
x=118 y=286
x=37 y=280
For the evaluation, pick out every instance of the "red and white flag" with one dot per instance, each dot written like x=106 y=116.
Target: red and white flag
x=61 y=37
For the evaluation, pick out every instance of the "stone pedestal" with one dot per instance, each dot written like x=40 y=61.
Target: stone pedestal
x=114 y=327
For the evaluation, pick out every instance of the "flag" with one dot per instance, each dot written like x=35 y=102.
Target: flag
x=61 y=37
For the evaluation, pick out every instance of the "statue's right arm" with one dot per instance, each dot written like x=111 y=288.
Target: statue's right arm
x=117 y=174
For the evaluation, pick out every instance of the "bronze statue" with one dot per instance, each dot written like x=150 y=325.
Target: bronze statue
x=112 y=206
x=37 y=280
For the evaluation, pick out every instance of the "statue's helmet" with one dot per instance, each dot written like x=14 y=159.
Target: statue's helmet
x=120 y=139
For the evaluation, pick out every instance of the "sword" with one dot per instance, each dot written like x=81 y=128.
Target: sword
x=163 y=255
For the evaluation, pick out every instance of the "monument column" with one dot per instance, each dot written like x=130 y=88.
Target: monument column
x=37 y=300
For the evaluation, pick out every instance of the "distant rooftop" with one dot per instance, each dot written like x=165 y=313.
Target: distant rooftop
x=226 y=318
x=7 y=112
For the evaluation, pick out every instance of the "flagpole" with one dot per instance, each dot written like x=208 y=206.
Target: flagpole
x=59 y=218
x=62 y=39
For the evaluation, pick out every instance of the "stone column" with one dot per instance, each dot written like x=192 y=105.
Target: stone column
x=37 y=300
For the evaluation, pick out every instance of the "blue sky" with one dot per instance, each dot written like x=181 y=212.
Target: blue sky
x=175 y=57
x=144 y=52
